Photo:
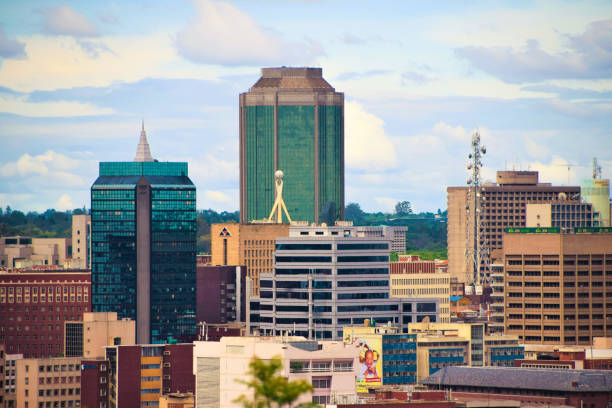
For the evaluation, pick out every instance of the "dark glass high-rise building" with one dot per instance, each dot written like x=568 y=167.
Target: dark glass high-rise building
x=292 y=120
x=143 y=221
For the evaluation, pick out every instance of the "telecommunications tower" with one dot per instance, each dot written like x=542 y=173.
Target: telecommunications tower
x=477 y=250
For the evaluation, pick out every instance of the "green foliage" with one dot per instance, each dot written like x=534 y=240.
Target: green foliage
x=403 y=208
x=270 y=388
x=393 y=256
x=50 y=224
x=426 y=235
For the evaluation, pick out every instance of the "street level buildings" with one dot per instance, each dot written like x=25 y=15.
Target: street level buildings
x=143 y=221
x=292 y=120
x=504 y=206
x=34 y=307
x=558 y=287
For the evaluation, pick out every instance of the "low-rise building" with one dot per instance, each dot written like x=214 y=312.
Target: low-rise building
x=177 y=400
x=502 y=350
x=574 y=388
x=331 y=367
x=386 y=357
x=26 y=252
x=52 y=382
x=140 y=374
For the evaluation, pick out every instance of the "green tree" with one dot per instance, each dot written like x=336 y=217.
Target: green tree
x=272 y=389
x=403 y=208
x=353 y=212
x=393 y=256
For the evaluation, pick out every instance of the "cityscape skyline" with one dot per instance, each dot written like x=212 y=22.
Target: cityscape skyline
x=415 y=87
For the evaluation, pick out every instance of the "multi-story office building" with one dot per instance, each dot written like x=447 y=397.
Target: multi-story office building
x=222 y=294
x=81 y=241
x=561 y=214
x=292 y=120
x=326 y=278
x=143 y=221
x=27 y=252
x=436 y=351
x=48 y=382
x=140 y=374
x=394 y=355
x=251 y=245
x=331 y=368
x=2 y=369
x=558 y=284
x=89 y=336
x=420 y=279
x=34 y=307
x=504 y=207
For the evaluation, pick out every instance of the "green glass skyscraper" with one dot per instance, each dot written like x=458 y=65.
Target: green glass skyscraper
x=292 y=120
x=143 y=221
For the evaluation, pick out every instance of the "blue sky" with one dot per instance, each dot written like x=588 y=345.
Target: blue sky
x=77 y=77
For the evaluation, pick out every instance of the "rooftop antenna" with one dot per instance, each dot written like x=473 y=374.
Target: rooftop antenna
x=596 y=169
x=279 y=205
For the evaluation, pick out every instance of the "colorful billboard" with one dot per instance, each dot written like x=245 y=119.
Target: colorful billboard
x=370 y=359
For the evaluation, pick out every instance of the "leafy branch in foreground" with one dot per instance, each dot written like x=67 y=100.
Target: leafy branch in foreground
x=271 y=388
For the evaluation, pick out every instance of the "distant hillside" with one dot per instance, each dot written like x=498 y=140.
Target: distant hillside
x=426 y=233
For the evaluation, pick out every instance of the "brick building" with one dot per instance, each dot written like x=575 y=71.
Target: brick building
x=94 y=383
x=34 y=307
x=140 y=374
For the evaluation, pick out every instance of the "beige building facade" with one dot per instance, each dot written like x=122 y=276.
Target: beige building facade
x=54 y=382
x=89 y=337
x=81 y=238
x=26 y=252
x=251 y=245
x=558 y=287
x=424 y=285
x=504 y=206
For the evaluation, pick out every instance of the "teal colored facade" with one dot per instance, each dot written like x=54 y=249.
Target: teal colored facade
x=399 y=359
x=299 y=131
x=168 y=248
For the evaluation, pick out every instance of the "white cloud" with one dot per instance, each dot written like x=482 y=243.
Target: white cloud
x=387 y=203
x=19 y=105
x=457 y=133
x=367 y=146
x=45 y=170
x=64 y=20
x=222 y=34
x=62 y=62
x=559 y=171
x=217 y=196
x=64 y=203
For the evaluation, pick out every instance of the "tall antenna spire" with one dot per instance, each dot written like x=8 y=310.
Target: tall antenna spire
x=143 y=152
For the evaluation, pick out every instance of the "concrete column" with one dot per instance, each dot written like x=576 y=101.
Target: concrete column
x=143 y=262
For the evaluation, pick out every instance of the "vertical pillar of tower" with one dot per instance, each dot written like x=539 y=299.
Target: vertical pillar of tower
x=143 y=262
